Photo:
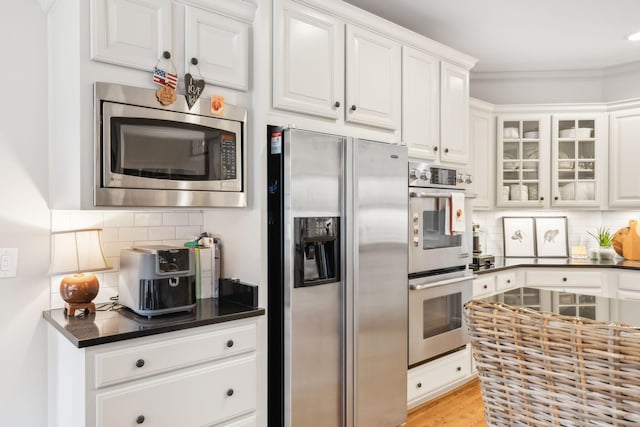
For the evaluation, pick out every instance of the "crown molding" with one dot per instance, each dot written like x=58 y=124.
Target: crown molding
x=632 y=67
x=478 y=104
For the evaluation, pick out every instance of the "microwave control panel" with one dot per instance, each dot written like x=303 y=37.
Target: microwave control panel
x=427 y=175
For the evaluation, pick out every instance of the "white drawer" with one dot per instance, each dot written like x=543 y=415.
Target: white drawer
x=484 y=285
x=563 y=278
x=431 y=376
x=506 y=281
x=137 y=361
x=629 y=280
x=199 y=397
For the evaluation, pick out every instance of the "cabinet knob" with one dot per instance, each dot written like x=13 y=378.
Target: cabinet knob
x=485 y=287
x=140 y=363
x=419 y=385
x=230 y=392
x=337 y=104
x=140 y=419
x=230 y=343
x=194 y=61
x=459 y=368
x=564 y=279
x=508 y=280
x=166 y=54
x=541 y=198
x=446 y=150
x=354 y=108
x=435 y=148
x=556 y=198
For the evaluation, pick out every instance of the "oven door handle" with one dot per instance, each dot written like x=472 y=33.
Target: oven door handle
x=442 y=282
x=431 y=194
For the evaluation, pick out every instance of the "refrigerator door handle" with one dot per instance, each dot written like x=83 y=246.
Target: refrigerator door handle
x=442 y=283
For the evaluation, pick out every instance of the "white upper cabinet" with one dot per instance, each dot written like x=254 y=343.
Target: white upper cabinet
x=420 y=103
x=482 y=144
x=578 y=159
x=523 y=153
x=221 y=47
x=326 y=68
x=435 y=108
x=624 y=152
x=373 y=79
x=135 y=33
x=131 y=33
x=454 y=114
x=308 y=61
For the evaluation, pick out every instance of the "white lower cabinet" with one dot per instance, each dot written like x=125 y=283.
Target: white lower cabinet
x=583 y=282
x=204 y=376
x=506 y=281
x=436 y=377
x=484 y=285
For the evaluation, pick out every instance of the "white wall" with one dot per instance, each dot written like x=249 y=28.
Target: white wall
x=24 y=216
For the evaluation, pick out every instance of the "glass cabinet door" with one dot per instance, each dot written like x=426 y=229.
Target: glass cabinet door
x=522 y=161
x=576 y=162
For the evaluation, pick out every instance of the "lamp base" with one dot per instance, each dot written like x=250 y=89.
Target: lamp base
x=70 y=308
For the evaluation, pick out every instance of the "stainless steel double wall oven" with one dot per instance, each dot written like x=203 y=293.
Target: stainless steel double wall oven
x=439 y=280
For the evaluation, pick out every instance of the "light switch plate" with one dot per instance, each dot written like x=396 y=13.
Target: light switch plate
x=8 y=262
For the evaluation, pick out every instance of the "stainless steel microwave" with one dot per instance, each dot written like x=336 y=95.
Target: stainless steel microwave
x=148 y=154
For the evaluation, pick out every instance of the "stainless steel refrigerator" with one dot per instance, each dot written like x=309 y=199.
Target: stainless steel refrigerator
x=337 y=291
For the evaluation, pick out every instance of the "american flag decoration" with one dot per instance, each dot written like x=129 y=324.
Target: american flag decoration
x=164 y=78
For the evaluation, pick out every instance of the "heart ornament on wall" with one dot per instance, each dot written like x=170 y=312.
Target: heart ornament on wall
x=194 y=87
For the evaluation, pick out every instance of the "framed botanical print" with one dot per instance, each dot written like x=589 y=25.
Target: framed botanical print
x=519 y=237
x=551 y=237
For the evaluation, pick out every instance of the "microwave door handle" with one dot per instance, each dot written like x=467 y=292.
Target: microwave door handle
x=442 y=282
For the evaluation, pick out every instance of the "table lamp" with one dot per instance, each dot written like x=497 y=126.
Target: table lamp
x=75 y=252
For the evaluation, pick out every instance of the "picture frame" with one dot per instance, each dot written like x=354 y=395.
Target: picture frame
x=552 y=239
x=519 y=236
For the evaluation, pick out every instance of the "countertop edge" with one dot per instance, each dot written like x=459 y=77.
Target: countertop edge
x=577 y=264
x=84 y=343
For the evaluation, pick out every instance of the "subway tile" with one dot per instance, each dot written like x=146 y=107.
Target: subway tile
x=112 y=249
x=189 y=232
x=127 y=234
x=148 y=219
x=109 y=235
x=174 y=242
x=196 y=218
x=147 y=243
x=175 y=218
x=119 y=219
x=60 y=220
x=84 y=219
x=110 y=279
x=162 y=233
x=114 y=262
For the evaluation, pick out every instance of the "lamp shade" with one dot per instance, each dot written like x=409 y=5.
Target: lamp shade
x=77 y=251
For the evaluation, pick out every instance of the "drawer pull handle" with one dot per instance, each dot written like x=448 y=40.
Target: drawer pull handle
x=446 y=150
x=459 y=368
x=337 y=104
x=230 y=343
x=564 y=279
x=140 y=364
x=485 y=286
x=435 y=148
x=230 y=392
x=508 y=280
x=419 y=385
x=140 y=419
x=354 y=108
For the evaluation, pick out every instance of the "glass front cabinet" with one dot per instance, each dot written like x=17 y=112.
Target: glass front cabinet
x=523 y=161
x=551 y=160
x=578 y=160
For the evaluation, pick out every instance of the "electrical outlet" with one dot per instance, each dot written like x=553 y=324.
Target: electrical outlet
x=8 y=262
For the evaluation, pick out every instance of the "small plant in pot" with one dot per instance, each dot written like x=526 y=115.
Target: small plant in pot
x=604 y=237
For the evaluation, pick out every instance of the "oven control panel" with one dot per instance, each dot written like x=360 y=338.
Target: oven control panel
x=428 y=175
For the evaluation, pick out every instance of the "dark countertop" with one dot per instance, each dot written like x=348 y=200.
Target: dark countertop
x=502 y=263
x=592 y=307
x=122 y=324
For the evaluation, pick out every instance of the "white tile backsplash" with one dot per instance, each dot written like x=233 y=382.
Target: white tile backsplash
x=578 y=223
x=124 y=229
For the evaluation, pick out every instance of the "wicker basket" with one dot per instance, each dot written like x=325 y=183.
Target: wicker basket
x=543 y=369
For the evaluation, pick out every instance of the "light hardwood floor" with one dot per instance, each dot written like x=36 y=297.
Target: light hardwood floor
x=461 y=407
